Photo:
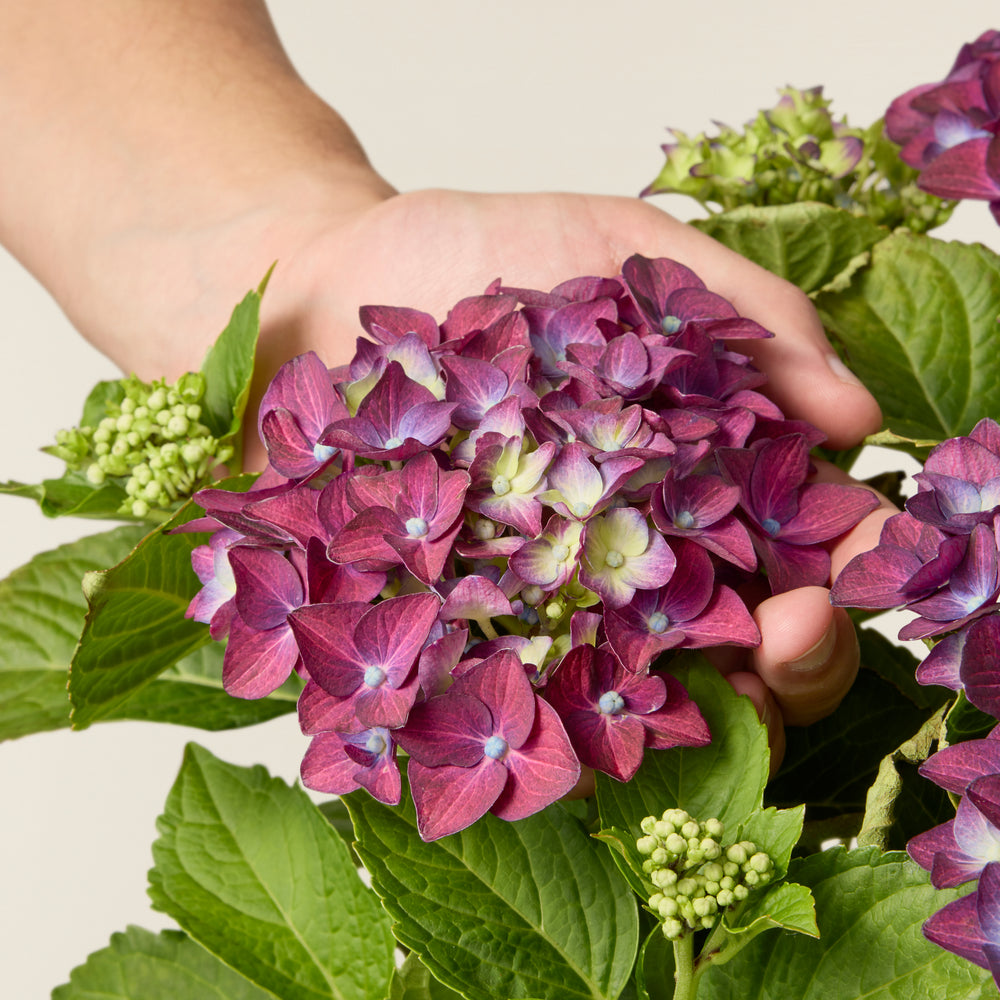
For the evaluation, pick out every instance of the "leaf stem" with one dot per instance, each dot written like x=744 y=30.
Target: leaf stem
x=684 y=967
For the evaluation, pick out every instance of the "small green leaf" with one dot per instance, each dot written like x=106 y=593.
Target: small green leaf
x=654 y=970
x=869 y=910
x=228 y=371
x=919 y=328
x=534 y=908
x=775 y=832
x=140 y=965
x=783 y=905
x=966 y=722
x=724 y=780
x=252 y=871
x=95 y=406
x=889 y=439
x=628 y=859
x=809 y=244
x=135 y=626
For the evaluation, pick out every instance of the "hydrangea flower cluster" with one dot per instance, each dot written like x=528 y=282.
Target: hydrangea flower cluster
x=696 y=877
x=950 y=130
x=151 y=440
x=940 y=558
x=796 y=152
x=476 y=539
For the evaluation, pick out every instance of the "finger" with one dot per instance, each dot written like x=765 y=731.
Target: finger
x=808 y=655
x=744 y=682
x=806 y=378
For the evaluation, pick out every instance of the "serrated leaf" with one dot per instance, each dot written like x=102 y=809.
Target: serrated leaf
x=252 y=871
x=786 y=905
x=627 y=858
x=43 y=612
x=534 y=908
x=919 y=327
x=135 y=626
x=809 y=244
x=165 y=966
x=414 y=982
x=724 y=780
x=775 y=832
x=869 y=909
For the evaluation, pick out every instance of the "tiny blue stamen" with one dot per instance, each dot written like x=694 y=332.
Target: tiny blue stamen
x=376 y=743
x=323 y=452
x=416 y=527
x=580 y=508
x=771 y=526
x=501 y=486
x=560 y=552
x=684 y=520
x=374 y=676
x=614 y=558
x=671 y=324
x=658 y=622
x=496 y=747
x=393 y=442
x=611 y=703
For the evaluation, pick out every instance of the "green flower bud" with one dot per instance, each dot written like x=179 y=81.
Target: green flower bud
x=714 y=828
x=687 y=886
x=667 y=907
x=740 y=892
x=140 y=508
x=660 y=878
x=646 y=845
x=712 y=871
x=761 y=863
x=737 y=854
x=157 y=400
x=655 y=900
x=95 y=474
x=127 y=405
x=690 y=829
x=705 y=906
x=725 y=897
x=673 y=929
x=676 y=844
x=648 y=825
x=731 y=868
x=664 y=829
x=660 y=857
x=751 y=878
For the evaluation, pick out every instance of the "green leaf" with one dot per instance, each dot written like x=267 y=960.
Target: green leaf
x=889 y=439
x=95 y=406
x=785 y=905
x=253 y=872
x=966 y=722
x=73 y=495
x=808 y=244
x=654 y=970
x=775 y=832
x=228 y=371
x=165 y=966
x=830 y=764
x=414 y=982
x=919 y=327
x=724 y=780
x=43 y=612
x=135 y=626
x=869 y=910
x=898 y=666
x=627 y=858
x=534 y=908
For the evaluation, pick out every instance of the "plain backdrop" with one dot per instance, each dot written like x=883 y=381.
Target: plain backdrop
x=514 y=96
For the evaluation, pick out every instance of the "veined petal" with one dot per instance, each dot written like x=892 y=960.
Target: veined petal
x=450 y=798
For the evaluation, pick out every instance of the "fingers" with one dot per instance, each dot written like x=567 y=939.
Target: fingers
x=808 y=656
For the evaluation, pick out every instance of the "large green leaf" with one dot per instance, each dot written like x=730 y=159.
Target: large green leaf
x=42 y=611
x=252 y=871
x=414 y=982
x=809 y=244
x=919 y=327
x=534 y=908
x=140 y=965
x=870 y=908
x=71 y=495
x=135 y=626
x=724 y=780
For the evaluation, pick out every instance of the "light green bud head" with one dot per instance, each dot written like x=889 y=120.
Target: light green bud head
x=141 y=412
x=724 y=897
x=676 y=844
x=192 y=453
x=695 y=856
x=761 y=863
x=740 y=892
x=667 y=907
x=673 y=929
x=657 y=878
x=124 y=423
x=726 y=883
x=663 y=829
x=95 y=474
x=710 y=848
x=660 y=857
x=737 y=854
x=162 y=417
x=128 y=405
x=705 y=906
x=751 y=878
x=157 y=400
x=655 y=900
x=714 y=828
x=170 y=452
x=676 y=816
x=648 y=825
x=712 y=871
x=687 y=886
x=690 y=829
x=711 y=888
x=646 y=845
x=140 y=508
x=731 y=868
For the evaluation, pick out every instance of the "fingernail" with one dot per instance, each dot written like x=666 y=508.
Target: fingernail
x=842 y=371
x=816 y=656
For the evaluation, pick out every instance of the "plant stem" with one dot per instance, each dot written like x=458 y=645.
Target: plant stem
x=684 y=968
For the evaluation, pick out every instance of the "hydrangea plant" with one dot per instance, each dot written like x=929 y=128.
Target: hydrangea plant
x=485 y=555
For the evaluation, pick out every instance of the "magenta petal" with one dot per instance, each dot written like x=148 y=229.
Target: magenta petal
x=450 y=729
x=327 y=768
x=827 y=510
x=542 y=770
x=257 y=663
x=988 y=902
x=980 y=667
x=924 y=846
x=956 y=928
x=288 y=449
x=450 y=798
x=475 y=597
x=385 y=704
x=610 y=743
x=679 y=723
x=319 y=711
x=267 y=586
x=961 y=172
x=942 y=664
x=391 y=634
x=955 y=767
x=502 y=685
x=325 y=637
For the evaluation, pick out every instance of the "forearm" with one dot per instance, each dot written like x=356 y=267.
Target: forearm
x=126 y=121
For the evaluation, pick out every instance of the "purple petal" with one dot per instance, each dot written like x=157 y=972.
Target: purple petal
x=502 y=685
x=955 y=767
x=475 y=597
x=257 y=662
x=391 y=634
x=956 y=928
x=267 y=586
x=980 y=666
x=450 y=729
x=942 y=664
x=450 y=798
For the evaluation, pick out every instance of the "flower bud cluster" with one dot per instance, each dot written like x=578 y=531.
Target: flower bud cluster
x=152 y=440
x=696 y=877
x=795 y=152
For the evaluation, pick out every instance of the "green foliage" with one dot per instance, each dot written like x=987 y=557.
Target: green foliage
x=534 y=908
x=43 y=614
x=919 y=328
x=166 y=966
x=250 y=869
x=869 y=909
x=811 y=245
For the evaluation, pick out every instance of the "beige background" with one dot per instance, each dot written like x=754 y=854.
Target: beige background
x=505 y=96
